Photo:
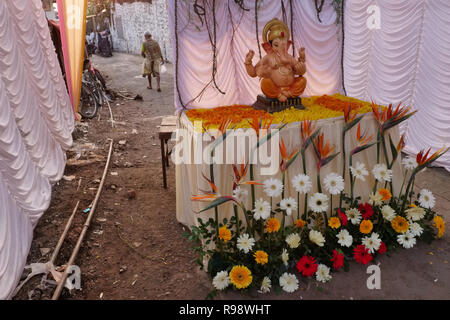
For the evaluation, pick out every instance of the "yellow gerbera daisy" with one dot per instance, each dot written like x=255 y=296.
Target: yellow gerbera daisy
x=224 y=234
x=261 y=257
x=399 y=224
x=385 y=193
x=334 y=222
x=440 y=225
x=241 y=277
x=273 y=225
x=366 y=226
x=300 y=223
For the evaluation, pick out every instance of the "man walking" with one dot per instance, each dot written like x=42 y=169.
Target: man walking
x=153 y=58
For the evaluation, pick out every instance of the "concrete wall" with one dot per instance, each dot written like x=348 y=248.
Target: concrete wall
x=131 y=20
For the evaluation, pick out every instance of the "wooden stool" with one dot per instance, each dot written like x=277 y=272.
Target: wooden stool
x=168 y=126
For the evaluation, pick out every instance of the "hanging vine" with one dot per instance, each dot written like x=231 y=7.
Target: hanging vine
x=176 y=55
x=292 y=27
x=342 y=45
x=256 y=24
x=319 y=7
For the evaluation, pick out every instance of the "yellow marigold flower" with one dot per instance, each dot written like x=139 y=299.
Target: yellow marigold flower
x=224 y=234
x=241 y=277
x=399 y=224
x=366 y=226
x=273 y=225
x=412 y=205
x=385 y=193
x=261 y=257
x=334 y=222
x=440 y=225
x=300 y=223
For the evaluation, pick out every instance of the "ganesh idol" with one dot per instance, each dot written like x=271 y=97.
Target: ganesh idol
x=282 y=75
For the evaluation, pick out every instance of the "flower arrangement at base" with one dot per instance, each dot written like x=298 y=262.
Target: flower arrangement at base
x=268 y=244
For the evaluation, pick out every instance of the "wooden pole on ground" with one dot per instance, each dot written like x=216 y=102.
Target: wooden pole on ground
x=85 y=228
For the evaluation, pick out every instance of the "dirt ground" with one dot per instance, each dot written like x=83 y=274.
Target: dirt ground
x=134 y=248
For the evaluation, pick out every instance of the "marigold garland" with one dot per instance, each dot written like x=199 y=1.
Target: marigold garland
x=317 y=107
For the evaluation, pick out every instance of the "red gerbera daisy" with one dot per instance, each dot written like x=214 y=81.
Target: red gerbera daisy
x=366 y=210
x=307 y=266
x=361 y=254
x=382 y=248
x=342 y=217
x=338 y=259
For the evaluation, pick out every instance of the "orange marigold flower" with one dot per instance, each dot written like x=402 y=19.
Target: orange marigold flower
x=273 y=225
x=300 y=223
x=224 y=234
x=334 y=222
x=399 y=224
x=385 y=193
x=241 y=277
x=261 y=257
x=366 y=226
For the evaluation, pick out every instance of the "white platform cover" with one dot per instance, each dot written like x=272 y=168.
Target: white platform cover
x=36 y=122
x=407 y=59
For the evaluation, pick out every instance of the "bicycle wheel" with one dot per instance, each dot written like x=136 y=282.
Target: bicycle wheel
x=88 y=103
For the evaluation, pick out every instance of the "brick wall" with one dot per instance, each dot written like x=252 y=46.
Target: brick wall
x=131 y=20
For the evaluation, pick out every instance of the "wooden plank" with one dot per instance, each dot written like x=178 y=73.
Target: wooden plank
x=169 y=121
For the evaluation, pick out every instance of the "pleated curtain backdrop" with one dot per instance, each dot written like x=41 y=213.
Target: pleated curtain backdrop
x=406 y=59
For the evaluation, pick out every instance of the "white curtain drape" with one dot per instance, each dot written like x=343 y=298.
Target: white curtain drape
x=406 y=60
x=235 y=36
x=36 y=122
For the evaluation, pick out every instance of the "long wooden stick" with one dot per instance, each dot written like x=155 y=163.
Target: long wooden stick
x=63 y=236
x=85 y=228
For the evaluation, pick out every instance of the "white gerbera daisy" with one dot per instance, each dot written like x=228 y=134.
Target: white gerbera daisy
x=289 y=282
x=388 y=213
x=375 y=199
x=410 y=163
x=372 y=243
x=415 y=213
x=221 y=280
x=318 y=202
x=273 y=187
x=245 y=243
x=345 y=239
x=293 y=240
x=240 y=194
x=266 y=284
x=381 y=172
x=302 y=183
x=415 y=229
x=359 y=171
x=323 y=273
x=288 y=204
x=316 y=237
x=407 y=240
x=285 y=257
x=426 y=199
x=354 y=215
x=262 y=209
x=334 y=183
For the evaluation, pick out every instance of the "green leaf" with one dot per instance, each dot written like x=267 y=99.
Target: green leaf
x=353 y=123
x=393 y=148
x=217 y=202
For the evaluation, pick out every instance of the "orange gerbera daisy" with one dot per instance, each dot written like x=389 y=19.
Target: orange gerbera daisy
x=261 y=257
x=399 y=224
x=440 y=225
x=273 y=225
x=366 y=226
x=224 y=234
x=300 y=223
x=385 y=193
x=334 y=222
x=241 y=277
